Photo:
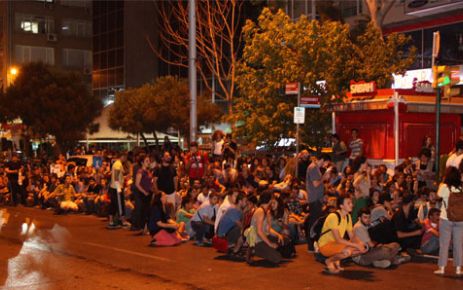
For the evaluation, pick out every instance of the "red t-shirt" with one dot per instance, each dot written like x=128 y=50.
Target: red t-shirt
x=198 y=163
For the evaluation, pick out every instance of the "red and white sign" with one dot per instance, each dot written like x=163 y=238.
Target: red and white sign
x=292 y=89
x=362 y=88
x=310 y=102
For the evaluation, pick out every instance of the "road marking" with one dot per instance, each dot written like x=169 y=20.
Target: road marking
x=129 y=252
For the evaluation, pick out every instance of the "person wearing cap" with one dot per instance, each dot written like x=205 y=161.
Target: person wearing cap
x=456 y=157
x=196 y=163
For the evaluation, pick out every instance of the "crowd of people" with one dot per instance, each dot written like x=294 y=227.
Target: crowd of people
x=336 y=203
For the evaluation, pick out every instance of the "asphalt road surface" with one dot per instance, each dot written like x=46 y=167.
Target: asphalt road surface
x=39 y=250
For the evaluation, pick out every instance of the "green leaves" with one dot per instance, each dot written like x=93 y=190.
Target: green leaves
x=157 y=106
x=279 y=51
x=51 y=102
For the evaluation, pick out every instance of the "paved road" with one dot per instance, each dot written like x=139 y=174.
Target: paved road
x=39 y=250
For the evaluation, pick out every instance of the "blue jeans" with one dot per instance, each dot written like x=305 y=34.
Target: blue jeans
x=431 y=246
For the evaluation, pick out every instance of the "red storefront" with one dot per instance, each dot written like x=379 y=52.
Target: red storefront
x=406 y=116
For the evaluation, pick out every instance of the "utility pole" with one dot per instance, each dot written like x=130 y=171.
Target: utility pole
x=435 y=53
x=192 y=68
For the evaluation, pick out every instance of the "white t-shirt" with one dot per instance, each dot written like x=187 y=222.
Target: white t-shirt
x=117 y=168
x=444 y=193
x=218 y=147
x=222 y=209
x=454 y=160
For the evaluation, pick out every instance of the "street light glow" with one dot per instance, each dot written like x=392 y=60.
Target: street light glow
x=13 y=71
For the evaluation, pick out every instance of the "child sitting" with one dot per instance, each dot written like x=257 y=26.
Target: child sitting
x=430 y=240
x=185 y=213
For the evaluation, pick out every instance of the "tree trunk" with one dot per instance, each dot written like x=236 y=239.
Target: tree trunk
x=144 y=139
x=155 y=136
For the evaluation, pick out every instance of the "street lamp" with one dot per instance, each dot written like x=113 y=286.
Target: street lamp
x=14 y=71
x=12 y=74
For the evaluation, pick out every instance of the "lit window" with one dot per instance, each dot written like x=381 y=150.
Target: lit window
x=30 y=26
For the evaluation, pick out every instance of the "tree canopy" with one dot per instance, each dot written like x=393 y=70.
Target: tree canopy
x=280 y=51
x=158 y=106
x=51 y=102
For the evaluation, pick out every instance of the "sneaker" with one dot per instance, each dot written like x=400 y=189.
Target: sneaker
x=458 y=271
x=382 y=264
x=440 y=271
x=401 y=259
x=113 y=226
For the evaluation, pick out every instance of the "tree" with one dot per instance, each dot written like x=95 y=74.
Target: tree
x=218 y=38
x=158 y=106
x=378 y=57
x=378 y=10
x=51 y=102
x=279 y=51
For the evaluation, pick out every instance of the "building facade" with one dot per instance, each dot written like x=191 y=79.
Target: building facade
x=122 y=55
x=55 y=32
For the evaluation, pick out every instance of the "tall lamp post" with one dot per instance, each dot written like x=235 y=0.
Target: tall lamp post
x=192 y=68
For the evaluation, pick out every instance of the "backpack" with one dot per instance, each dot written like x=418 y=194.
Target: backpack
x=455 y=207
x=316 y=229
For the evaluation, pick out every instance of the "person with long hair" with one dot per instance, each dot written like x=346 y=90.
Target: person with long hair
x=143 y=192
x=163 y=230
x=448 y=229
x=265 y=244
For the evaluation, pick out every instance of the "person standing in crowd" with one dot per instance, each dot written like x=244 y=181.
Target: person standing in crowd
x=116 y=195
x=302 y=164
x=12 y=169
x=339 y=152
x=230 y=149
x=451 y=223
x=165 y=180
x=143 y=192
x=456 y=157
x=355 y=146
x=196 y=163
x=218 y=143
x=331 y=244
x=315 y=189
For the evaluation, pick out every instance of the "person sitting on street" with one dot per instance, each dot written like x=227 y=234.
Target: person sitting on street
x=378 y=255
x=331 y=244
x=163 y=230
x=64 y=194
x=260 y=236
x=407 y=225
x=203 y=220
x=430 y=240
x=231 y=226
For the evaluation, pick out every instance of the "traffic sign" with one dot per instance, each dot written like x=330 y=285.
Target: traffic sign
x=310 y=102
x=299 y=115
x=292 y=88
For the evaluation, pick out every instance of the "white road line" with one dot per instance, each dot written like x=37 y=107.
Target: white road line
x=128 y=252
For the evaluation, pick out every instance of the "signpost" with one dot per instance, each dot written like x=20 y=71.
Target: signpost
x=299 y=115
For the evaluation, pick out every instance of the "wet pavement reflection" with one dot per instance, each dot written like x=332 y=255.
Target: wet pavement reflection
x=29 y=268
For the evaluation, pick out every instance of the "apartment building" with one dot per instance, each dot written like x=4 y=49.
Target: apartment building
x=55 y=32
